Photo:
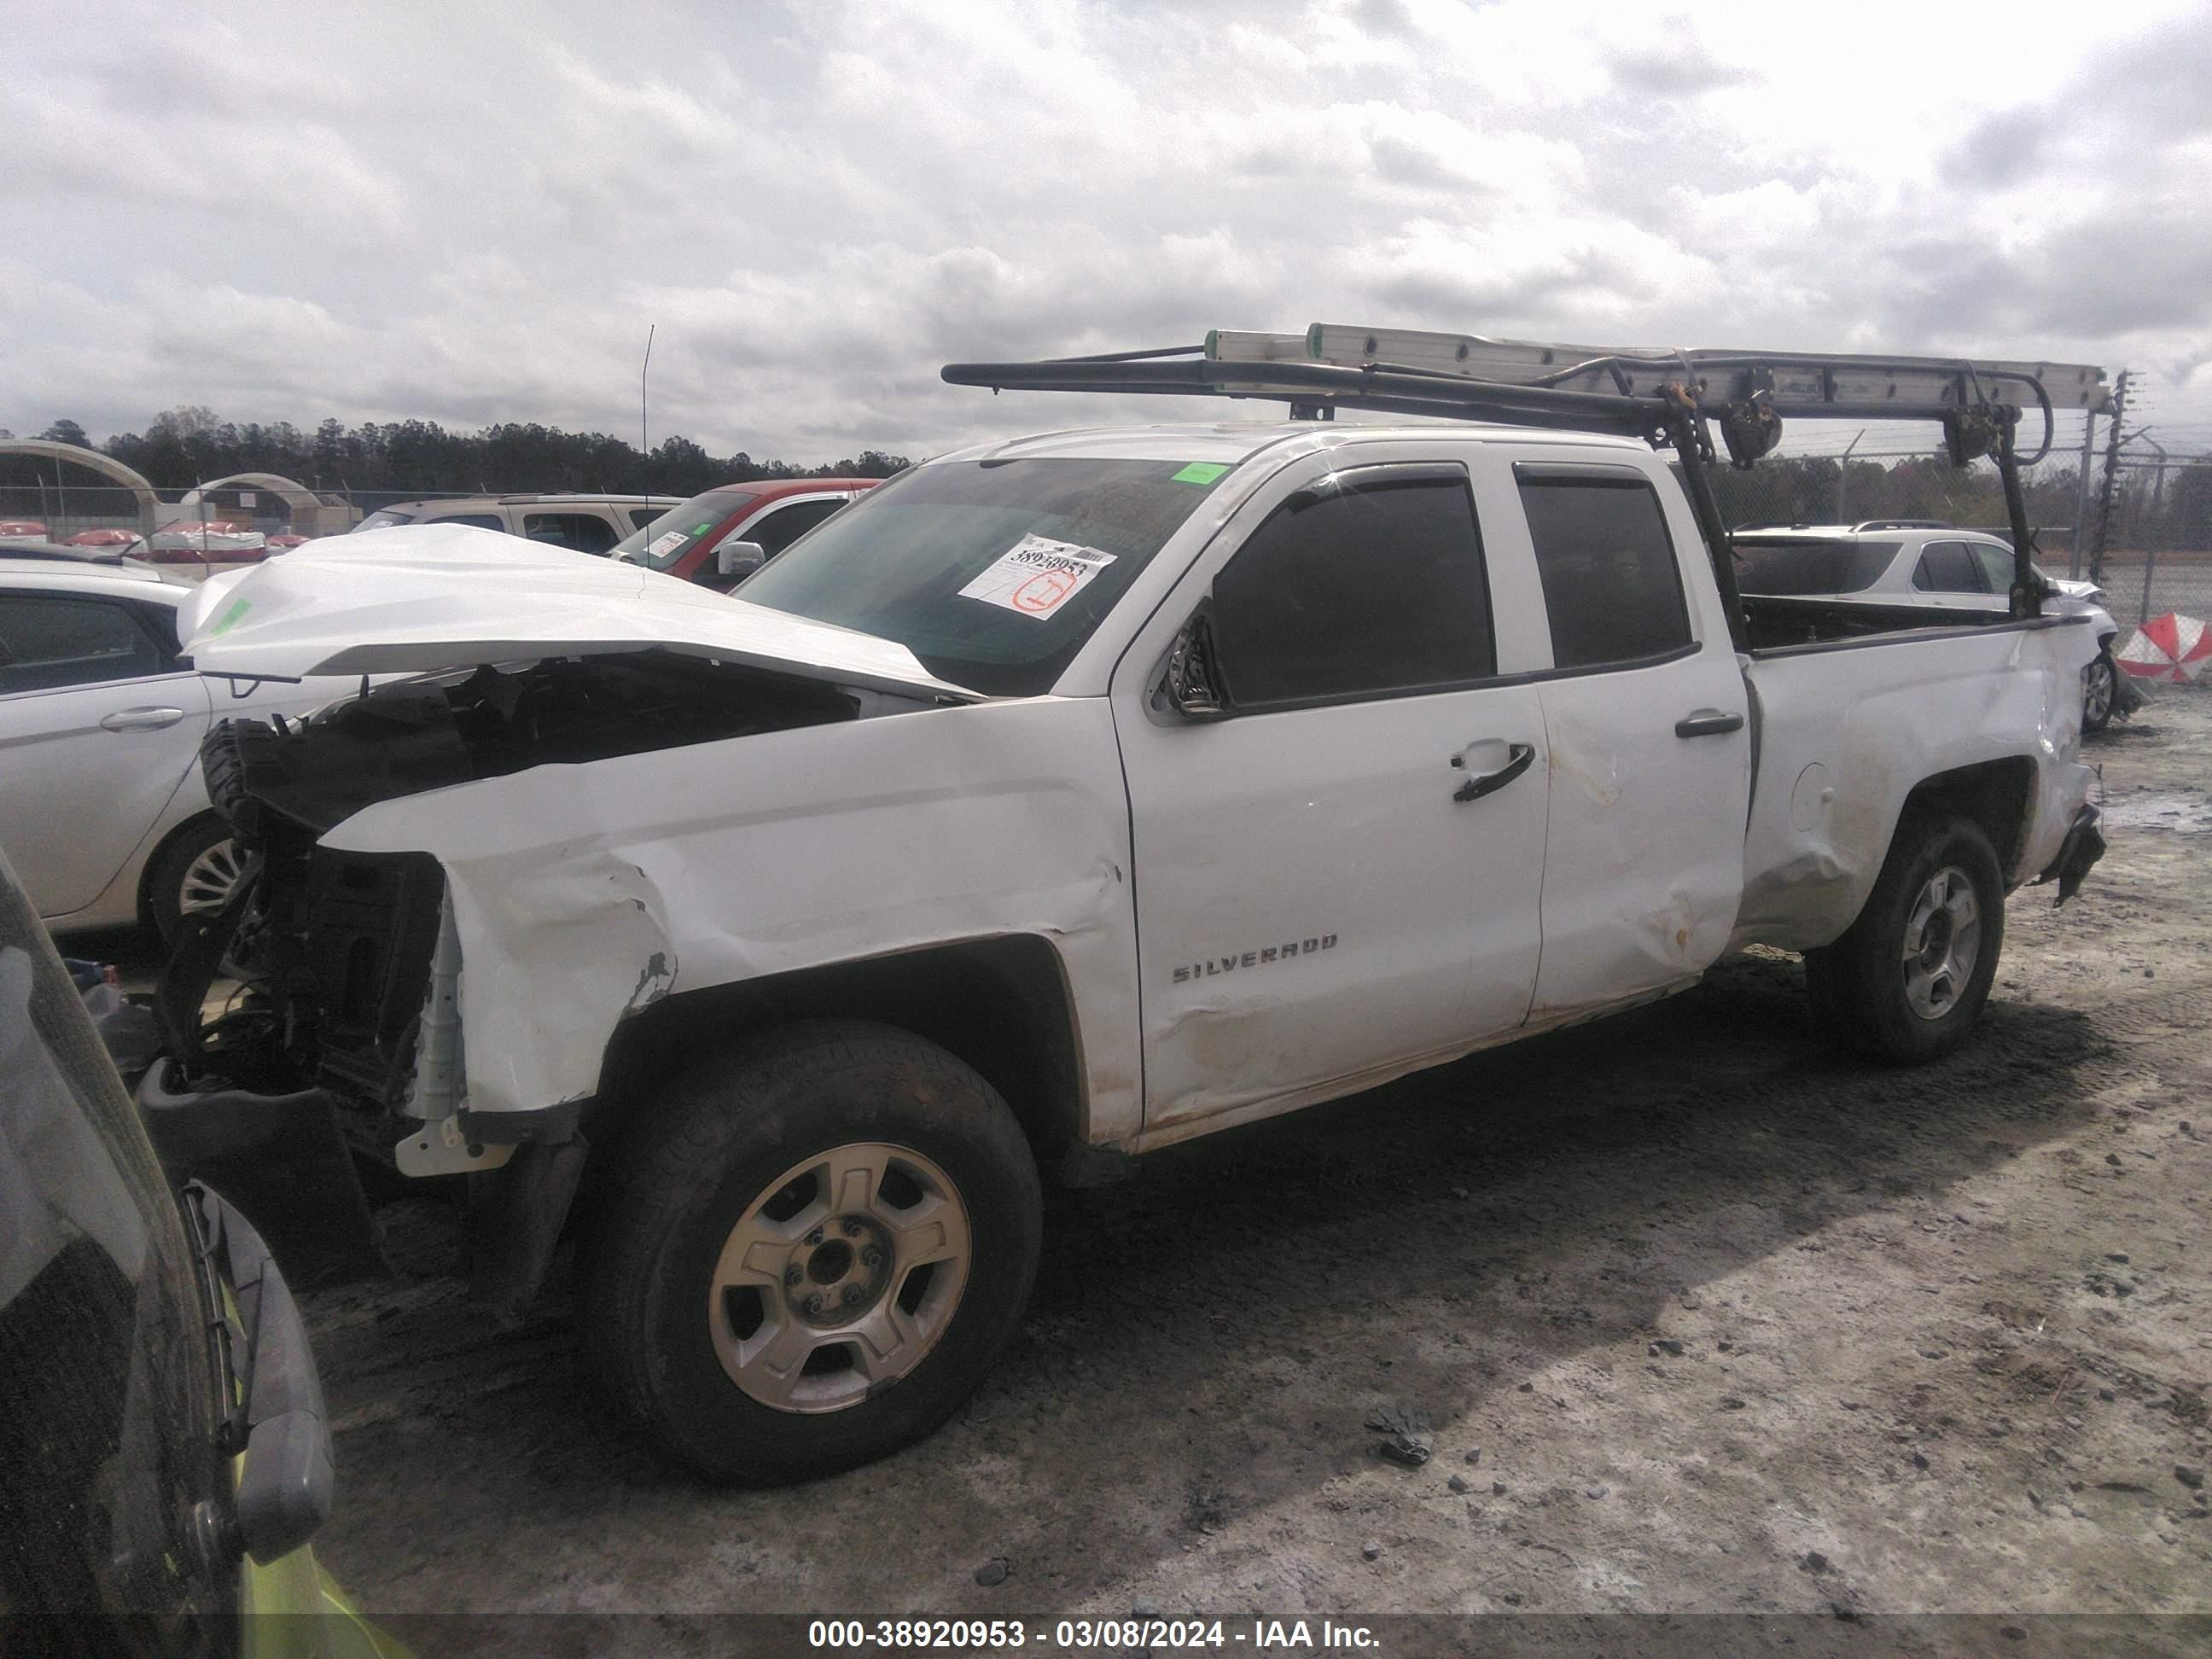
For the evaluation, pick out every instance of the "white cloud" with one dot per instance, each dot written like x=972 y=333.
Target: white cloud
x=474 y=214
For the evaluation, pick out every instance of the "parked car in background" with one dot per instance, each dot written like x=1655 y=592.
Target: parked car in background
x=589 y=524
x=214 y=541
x=285 y=541
x=22 y=530
x=67 y=552
x=129 y=544
x=164 y=1452
x=771 y=515
x=1888 y=563
x=104 y=812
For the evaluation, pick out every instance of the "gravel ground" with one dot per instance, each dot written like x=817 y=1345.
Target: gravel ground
x=1704 y=1318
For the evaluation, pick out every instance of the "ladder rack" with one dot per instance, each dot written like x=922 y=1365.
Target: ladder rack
x=1668 y=397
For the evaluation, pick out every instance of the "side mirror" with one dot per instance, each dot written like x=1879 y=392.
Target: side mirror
x=1192 y=686
x=739 y=559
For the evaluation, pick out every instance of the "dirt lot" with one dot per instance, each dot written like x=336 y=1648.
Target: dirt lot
x=1706 y=1318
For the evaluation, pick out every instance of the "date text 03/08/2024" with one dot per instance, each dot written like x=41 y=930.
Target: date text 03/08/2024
x=1108 y=1635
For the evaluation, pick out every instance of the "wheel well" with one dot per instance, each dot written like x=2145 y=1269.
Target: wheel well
x=1994 y=795
x=1001 y=1004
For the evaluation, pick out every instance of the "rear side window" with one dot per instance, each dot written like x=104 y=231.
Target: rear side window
x=1802 y=565
x=48 y=642
x=587 y=532
x=1370 y=589
x=481 y=521
x=1611 y=584
x=640 y=517
x=1948 y=567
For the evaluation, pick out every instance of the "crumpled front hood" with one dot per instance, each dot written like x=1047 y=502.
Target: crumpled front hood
x=418 y=599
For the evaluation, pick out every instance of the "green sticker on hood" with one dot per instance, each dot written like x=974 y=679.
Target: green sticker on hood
x=1201 y=472
x=231 y=617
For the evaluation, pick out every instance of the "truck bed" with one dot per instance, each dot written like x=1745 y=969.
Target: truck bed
x=1855 y=704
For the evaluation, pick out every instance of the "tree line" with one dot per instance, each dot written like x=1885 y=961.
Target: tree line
x=185 y=447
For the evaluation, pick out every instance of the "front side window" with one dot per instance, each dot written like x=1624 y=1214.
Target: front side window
x=47 y=641
x=779 y=527
x=1948 y=567
x=384 y=519
x=587 y=532
x=481 y=521
x=994 y=573
x=1365 y=589
x=1612 y=587
x=1996 y=566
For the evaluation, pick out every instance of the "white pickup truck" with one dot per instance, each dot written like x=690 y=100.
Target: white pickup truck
x=1061 y=799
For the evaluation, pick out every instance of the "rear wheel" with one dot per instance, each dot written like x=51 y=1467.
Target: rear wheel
x=2100 y=682
x=815 y=1252
x=1909 y=979
x=198 y=870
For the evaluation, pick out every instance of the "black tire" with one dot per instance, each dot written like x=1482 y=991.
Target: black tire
x=727 y=1131
x=1859 y=985
x=2101 y=691
x=166 y=898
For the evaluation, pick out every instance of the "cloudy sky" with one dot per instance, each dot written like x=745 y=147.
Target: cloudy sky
x=471 y=213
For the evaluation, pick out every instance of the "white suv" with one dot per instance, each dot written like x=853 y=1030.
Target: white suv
x=1921 y=562
x=589 y=524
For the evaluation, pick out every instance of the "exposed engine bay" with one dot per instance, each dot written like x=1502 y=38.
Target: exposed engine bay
x=334 y=949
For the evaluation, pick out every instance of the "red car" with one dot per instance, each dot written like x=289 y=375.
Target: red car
x=769 y=514
x=22 y=530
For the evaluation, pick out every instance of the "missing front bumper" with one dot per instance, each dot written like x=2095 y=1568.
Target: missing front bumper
x=2083 y=846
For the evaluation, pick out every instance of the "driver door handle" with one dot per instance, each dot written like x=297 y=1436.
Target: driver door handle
x=141 y=719
x=1518 y=758
x=1707 y=723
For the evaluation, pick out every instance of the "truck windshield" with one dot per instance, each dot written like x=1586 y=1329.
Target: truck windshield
x=1803 y=564
x=667 y=538
x=992 y=573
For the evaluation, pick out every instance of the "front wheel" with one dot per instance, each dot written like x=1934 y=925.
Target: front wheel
x=820 y=1247
x=198 y=870
x=2100 y=682
x=1907 y=982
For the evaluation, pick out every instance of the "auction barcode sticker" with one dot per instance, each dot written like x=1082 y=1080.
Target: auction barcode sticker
x=1036 y=575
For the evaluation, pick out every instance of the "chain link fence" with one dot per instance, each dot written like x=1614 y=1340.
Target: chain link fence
x=2152 y=544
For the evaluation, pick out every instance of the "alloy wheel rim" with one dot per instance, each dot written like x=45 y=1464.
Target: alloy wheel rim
x=209 y=879
x=1942 y=942
x=840 y=1278
x=2097 y=699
